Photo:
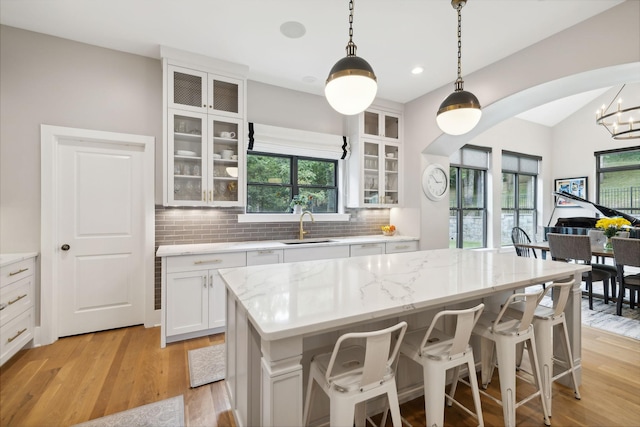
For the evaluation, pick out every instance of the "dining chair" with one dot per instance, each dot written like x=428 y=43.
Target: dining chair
x=627 y=253
x=570 y=247
x=518 y=235
x=353 y=373
x=502 y=335
x=438 y=352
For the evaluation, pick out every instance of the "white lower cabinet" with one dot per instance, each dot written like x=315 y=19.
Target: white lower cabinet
x=367 y=249
x=17 y=293
x=194 y=294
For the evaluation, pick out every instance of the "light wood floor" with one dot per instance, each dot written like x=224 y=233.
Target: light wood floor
x=88 y=376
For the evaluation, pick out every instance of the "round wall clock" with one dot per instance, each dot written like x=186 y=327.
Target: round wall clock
x=435 y=182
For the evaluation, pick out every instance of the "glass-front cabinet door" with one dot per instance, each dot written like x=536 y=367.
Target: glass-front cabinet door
x=381 y=124
x=186 y=161
x=391 y=178
x=371 y=168
x=226 y=162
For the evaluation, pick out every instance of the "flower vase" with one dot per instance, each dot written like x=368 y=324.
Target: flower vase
x=608 y=246
x=297 y=209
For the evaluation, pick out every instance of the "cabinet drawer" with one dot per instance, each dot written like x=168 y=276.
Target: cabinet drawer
x=15 y=334
x=205 y=261
x=15 y=298
x=312 y=254
x=367 y=249
x=16 y=271
x=409 y=246
x=266 y=256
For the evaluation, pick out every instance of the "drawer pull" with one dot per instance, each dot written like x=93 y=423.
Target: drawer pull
x=17 y=335
x=13 y=301
x=211 y=261
x=3 y=306
x=22 y=270
x=402 y=246
x=369 y=245
x=265 y=252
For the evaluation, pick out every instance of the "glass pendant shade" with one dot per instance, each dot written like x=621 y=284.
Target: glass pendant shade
x=351 y=86
x=459 y=113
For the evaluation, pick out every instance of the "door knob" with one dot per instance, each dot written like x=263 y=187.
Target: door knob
x=65 y=247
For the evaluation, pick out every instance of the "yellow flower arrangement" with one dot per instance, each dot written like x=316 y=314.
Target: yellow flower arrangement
x=611 y=225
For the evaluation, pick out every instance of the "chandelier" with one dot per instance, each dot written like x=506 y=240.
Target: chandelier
x=621 y=123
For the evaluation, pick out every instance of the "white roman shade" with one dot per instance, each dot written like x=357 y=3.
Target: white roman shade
x=295 y=142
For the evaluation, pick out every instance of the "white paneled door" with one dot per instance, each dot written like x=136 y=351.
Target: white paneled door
x=101 y=225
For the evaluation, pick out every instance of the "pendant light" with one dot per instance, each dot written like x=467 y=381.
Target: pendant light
x=351 y=86
x=459 y=112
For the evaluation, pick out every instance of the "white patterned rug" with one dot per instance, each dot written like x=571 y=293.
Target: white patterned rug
x=206 y=364
x=168 y=412
x=603 y=316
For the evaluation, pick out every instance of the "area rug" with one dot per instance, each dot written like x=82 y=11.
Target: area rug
x=168 y=412
x=206 y=365
x=603 y=316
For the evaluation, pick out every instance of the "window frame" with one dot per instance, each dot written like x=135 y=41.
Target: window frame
x=459 y=209
x=631 y=210
x=516 y=202
x=293 y=179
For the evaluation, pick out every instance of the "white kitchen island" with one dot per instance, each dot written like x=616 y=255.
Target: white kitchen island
x=279 y=315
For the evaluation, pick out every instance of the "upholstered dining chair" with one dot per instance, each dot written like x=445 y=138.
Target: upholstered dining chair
x=518 y=235
x=627 y=253
x=570 y=247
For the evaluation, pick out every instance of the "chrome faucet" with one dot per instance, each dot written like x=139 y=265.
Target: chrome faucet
x=302 y=232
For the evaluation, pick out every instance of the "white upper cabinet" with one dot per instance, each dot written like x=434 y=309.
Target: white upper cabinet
x=375 y=166
x=204 y=136
x=202 y=92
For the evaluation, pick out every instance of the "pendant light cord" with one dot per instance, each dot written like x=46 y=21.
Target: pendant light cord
x=351 y=46
x=459 y=82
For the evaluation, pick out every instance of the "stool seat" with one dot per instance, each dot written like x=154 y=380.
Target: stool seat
x=501 y=335
x=352 y=374
x=437 y=352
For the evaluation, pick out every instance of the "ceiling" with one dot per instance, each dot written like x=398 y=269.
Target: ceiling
x=394 y=36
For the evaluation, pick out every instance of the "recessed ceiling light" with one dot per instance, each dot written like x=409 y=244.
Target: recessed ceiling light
x=293 y=29
x=417 y=70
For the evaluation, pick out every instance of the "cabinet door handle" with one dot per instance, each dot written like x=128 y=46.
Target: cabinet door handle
x=210 y=196
x=3 y=306
x=20 y=332
x=13 y=301
x=211 y=281
x=204 y=195
x=204 y=282
x=210 y=261
x=22 y=270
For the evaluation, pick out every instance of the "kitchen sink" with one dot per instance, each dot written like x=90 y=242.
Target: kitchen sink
x=305 y=241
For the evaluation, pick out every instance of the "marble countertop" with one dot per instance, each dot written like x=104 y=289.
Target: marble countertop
x=203 y=248
x=290 y=299
x=6 y=259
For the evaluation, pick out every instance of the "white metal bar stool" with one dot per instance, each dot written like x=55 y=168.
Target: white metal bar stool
x=438 y=352
x=351 y=375
x=500 y=336
x=545 y=319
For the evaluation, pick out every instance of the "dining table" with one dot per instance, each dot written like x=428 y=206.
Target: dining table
x=543 y=247
x=278 y=316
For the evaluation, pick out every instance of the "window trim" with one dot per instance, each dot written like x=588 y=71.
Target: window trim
x=261 y=217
